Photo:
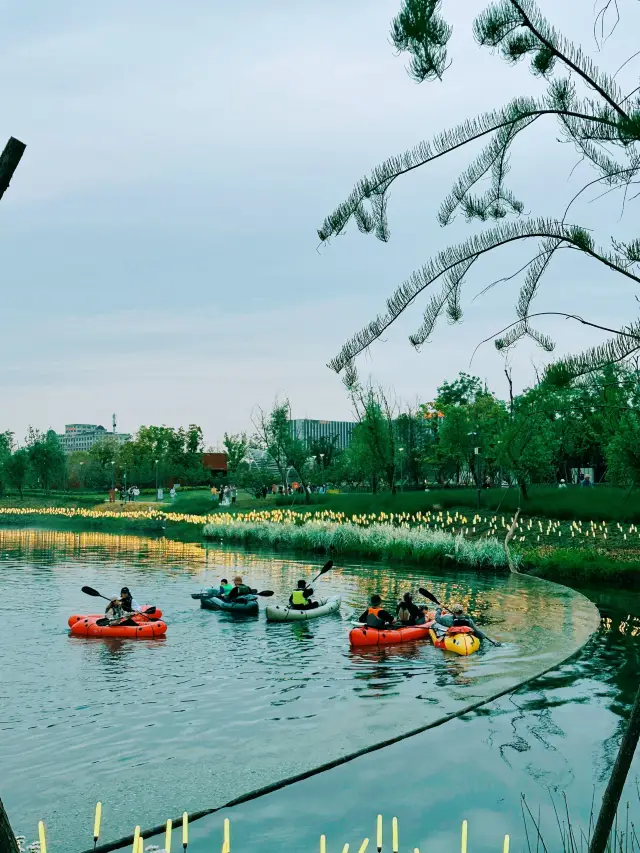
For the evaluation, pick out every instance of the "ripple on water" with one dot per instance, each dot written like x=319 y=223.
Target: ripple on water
x=223 y=705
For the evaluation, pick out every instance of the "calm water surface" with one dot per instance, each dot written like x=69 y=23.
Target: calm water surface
x=223 y=706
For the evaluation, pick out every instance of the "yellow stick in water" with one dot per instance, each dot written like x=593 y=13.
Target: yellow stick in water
x=136 y=836
x=323 y=844
x=227 y=834
x=345 y=849
x=167 y=836
x=505 y=846
x=96 y=822
x=42 y=836
x=463 y=842
x=394 y=834
x=185 y=830
x=363 y=846
x=379 y=834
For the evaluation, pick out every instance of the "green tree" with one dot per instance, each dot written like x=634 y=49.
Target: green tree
x=273 y=435
x=17 y=469
x=529 y=445
x=236 y=446
x=6 y=446
x=623 y=451
x=594 y=114
x=373 y=443
x=47 y=459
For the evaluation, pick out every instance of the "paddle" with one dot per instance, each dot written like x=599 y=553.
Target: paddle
x=146 y=613
x=431 y=597
x=326 y=568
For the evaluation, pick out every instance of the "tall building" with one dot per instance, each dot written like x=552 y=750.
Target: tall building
x=84 y=436
x=339 y=432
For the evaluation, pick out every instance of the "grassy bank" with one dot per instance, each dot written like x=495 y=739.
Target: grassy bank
x=578 y=553
x=604 y=503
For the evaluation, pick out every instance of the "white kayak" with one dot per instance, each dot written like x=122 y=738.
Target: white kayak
x=278 y=613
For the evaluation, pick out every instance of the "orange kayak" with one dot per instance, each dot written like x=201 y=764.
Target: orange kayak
x=366 y=636
x=86 y=626
x=137 y=618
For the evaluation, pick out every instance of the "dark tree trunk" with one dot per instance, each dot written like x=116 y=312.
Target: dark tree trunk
x=9 y=159
x=8 y=843
x=523 y=488
x=619 y=773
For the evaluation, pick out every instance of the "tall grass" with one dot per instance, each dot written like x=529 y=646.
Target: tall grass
x=379 y=541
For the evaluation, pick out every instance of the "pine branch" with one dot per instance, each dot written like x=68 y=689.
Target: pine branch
x=617 y=349
x=464 y=253
x=425 y=152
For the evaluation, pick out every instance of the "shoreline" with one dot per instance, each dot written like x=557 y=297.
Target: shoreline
x=592 y=566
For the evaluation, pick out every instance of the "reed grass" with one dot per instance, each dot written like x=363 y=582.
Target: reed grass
x=377 y=541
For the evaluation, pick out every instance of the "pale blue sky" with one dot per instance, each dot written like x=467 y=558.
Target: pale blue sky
x=158 y=242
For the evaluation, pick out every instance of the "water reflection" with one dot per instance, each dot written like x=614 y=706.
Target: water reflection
x=216 y=680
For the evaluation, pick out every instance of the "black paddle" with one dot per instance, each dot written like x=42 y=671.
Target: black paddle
x=326 y=568
x=89 y=590
x=431 y=597
x=146 y=613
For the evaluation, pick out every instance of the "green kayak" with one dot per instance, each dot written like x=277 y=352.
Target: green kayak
x=245 y=606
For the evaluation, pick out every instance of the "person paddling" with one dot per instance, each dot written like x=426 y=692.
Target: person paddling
x=239 y=589
x=409 y=613
x=300 y=598
x=458 y=618
x=123 y=606
x=375 y=616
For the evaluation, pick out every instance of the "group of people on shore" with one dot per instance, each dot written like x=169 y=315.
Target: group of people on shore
x=224 y=495
x=125 y=495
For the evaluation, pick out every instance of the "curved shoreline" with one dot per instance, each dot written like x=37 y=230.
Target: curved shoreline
x=590 y=627
x=352 y=756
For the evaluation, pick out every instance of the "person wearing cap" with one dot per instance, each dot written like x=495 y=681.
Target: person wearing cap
x=375 y=616
x=239 y=589
x=458 y=618
x=300 y=598
x=123 y=606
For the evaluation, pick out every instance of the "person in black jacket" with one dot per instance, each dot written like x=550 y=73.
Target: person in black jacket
x=239 y=590
x=409 y=613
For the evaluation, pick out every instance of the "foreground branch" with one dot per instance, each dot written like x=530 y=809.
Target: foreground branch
x=9 y=159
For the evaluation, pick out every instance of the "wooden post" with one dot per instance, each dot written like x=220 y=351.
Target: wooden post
x=9 y=159
x=618 y=777
x=8 y=843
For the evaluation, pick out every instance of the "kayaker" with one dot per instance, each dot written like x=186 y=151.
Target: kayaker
x=458 y=618
x=225 y=587
x=119 y=607
x=300 y=597
x=375 y=616
x=409 y=613
x=239 y=589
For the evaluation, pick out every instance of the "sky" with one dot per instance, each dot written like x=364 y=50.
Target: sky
x=158 y=244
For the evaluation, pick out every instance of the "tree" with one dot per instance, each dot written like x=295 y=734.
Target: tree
x=47 y=458
x=594 y=114
x=236 y=447
x=6 y=445
x=273 y=433
x=373 y=443
x=528 y=446
x=17 y=469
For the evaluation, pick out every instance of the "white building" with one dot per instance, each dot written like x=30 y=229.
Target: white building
x=84 y=436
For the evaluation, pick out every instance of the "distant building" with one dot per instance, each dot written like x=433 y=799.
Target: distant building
x=215 y=462
x=84 y=436
x=339 y=432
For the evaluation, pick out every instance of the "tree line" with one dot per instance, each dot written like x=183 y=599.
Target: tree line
x=466 y=436
x=155 y=455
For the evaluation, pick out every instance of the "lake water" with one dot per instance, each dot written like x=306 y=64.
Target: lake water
x=223 y=706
